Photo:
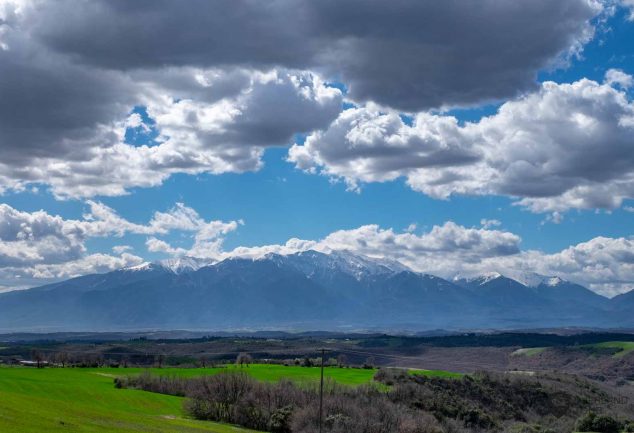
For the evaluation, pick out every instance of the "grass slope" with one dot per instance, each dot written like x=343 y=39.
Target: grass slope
x=79 y=400
x=621 y=348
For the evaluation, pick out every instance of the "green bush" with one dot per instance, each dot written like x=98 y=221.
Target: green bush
x=592 y=422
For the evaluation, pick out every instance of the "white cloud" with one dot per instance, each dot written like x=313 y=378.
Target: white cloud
x=120 y=249
x=618 y=77
x=488 y=223
x=90 y=264
x=67 y=96
x=38 y=247
x=209 y=121
x=565 y=146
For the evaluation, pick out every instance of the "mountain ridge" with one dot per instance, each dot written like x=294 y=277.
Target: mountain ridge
x=306 y=290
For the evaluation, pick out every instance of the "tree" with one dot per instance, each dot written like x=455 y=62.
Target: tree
x=244 y=358
x=62 y=358
x=38 y=357
x=369 y=363
x=342 y=360
x=159 y=360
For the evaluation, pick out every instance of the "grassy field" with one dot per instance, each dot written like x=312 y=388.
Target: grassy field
x=621 y=348
x=271 y=373
x=85 y=400
x=80 y=400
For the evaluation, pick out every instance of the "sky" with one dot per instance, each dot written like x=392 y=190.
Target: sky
x=458 y=137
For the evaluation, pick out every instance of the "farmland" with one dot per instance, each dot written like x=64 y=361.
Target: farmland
x=85 y=400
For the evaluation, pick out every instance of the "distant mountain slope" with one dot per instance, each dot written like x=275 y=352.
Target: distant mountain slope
x=302 y=291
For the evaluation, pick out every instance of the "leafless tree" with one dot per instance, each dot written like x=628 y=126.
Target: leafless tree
x=38 y=357
x=342 y=360
x=244 y=358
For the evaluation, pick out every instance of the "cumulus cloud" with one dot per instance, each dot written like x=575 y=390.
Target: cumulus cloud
x=564 y=146
x=243 y=77
x=208 y=122
x=119 y=249
x=488 y=223
x=423 y=63
x=37 y=246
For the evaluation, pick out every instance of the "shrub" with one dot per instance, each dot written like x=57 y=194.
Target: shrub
x=592 y=422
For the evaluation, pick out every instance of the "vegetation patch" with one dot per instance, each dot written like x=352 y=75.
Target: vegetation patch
x=435 y=373
x=529 y=351
x=617 y=349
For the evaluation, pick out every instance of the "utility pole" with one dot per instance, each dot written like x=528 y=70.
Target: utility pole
x=321 y=389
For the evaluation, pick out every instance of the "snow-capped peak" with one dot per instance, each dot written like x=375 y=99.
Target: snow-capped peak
x=179 y=265
x=140 y=267
x=358 y=264
x=532 y=279
x=480 y=279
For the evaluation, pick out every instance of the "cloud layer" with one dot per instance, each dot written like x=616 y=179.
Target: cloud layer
x=224 y=80
x=564 y=146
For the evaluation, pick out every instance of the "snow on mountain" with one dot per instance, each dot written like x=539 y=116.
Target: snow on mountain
x=180 y=265
x=362 y=265
x=177 y=265
x=478 y=280
x=358 y=266
x=533 y=279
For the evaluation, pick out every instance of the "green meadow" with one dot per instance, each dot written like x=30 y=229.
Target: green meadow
x=620 y=348
x=85 y=400
x=271 y=373
x=55 y=400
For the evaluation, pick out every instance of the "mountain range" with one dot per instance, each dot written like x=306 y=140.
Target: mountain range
x=303 y=291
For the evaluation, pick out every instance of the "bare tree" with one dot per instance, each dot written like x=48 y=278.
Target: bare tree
x=38 y=357
x=369 y=362
x=159 y=360
x=244 y=358
x=62 y=358
x=342 y=360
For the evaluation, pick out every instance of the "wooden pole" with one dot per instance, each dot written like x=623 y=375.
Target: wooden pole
x=321 y=390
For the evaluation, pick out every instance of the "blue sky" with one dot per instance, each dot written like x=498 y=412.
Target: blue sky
x=274 y=196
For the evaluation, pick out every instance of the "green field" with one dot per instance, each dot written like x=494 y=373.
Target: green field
x=85 y=400
x=621 y=348
x=270 y=373
x=55 y=400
